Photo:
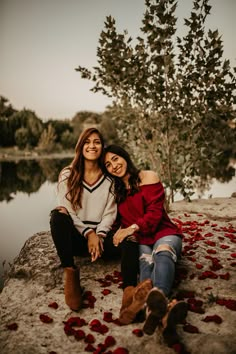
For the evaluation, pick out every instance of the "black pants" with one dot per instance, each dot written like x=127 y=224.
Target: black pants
x=69 y=243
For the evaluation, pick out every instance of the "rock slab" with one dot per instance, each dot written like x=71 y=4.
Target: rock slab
x=205 y=278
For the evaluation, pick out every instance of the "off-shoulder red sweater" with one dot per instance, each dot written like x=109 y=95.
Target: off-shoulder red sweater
x=146 y=209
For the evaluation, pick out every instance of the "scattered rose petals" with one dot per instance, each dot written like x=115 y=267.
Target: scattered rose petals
x=45 y=318
x=12 y=326
x=96 y=326
x=229 y=303
x=208 y=274
x=75 y=321
x=214 y=318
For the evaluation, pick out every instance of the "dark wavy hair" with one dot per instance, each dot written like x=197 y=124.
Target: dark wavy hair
x=76 y=168
x=134 y=179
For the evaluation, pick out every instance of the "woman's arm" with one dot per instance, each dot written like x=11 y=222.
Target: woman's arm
x=63 y=201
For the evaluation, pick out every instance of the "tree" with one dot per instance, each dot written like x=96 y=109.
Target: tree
x=47 y=139
x=169 y=114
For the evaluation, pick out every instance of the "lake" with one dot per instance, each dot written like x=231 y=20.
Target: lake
x=27 y=195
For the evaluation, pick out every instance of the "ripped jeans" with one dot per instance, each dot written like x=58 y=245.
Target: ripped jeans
x=159 y=265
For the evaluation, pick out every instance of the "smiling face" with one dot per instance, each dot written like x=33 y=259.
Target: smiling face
x=115 y=165
x=92 y=147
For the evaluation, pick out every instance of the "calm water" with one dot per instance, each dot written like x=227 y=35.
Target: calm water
x=27 y=195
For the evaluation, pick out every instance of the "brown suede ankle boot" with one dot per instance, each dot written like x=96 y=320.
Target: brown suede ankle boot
x=127 y=297
x=72 y=288
x=139 y=297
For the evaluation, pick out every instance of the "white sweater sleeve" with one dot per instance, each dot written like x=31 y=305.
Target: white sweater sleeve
x=63 y=201
x=108 y=217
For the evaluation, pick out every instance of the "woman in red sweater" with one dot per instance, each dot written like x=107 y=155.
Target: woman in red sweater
x=140 y=196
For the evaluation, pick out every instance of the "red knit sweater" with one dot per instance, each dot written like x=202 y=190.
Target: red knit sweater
x=146 y=209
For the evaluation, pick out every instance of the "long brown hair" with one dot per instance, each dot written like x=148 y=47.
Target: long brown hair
x=76 y=168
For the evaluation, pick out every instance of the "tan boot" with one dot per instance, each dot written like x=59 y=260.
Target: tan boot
x=139 y=297
x=72 y=289
x=127 y=297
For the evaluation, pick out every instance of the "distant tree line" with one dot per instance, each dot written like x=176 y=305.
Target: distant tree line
x=25 y=130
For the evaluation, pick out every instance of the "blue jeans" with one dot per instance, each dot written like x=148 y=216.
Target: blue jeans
x=159 y=265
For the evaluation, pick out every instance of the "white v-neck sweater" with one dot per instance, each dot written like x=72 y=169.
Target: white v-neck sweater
x=98 y=210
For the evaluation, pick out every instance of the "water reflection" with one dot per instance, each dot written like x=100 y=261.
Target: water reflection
x=27 y=175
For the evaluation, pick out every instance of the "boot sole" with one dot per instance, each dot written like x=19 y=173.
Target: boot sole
x=157 y=304
x=139 y=299
x=177 y=315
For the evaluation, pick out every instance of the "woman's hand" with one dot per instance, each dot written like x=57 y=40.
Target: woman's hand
x=94 y=247
x=121 y=234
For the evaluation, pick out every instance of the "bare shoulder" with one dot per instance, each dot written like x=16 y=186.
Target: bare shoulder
x=148 y=177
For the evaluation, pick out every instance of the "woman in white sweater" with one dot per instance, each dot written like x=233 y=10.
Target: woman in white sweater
x=85 y=213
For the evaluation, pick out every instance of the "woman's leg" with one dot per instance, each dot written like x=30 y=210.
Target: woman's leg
x=67 y=240
x=68 y=243
x=145 y=262
x=166 y=251
x=129 y=262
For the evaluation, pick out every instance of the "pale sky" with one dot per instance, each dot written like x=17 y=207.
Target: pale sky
x=43 y=41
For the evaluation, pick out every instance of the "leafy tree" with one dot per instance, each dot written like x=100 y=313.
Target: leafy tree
x=59 y=127
x=171 y=106
x=82 y=118
x=21 y=137
x=6 y=109
x=47 y=139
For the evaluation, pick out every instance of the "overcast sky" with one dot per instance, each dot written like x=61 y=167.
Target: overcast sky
x=43 y=41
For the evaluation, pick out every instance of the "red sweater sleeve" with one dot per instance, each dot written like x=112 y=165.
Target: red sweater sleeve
x=153 y=198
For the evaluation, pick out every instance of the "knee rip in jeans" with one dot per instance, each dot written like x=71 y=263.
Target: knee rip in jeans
x=146 y=258
x=62 y=210
x=167 y=248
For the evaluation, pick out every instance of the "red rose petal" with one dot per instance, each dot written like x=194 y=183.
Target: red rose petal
x=120 y=351
x=229 y=303
x=190 y=328
x=90 y=348
x=12 y=326
x=210 y=243
x=199 y=266
x=79 y=334
x=54 y=305
x=211 y=251
x=45 y=318
x=214 y=318
x=224 y=247
x=106 y=292
x=225 y=276
x=109 y=341
x=107 y=316
x=89 y=338
x=75 y=321
x=138 y=332
x=233 y=255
